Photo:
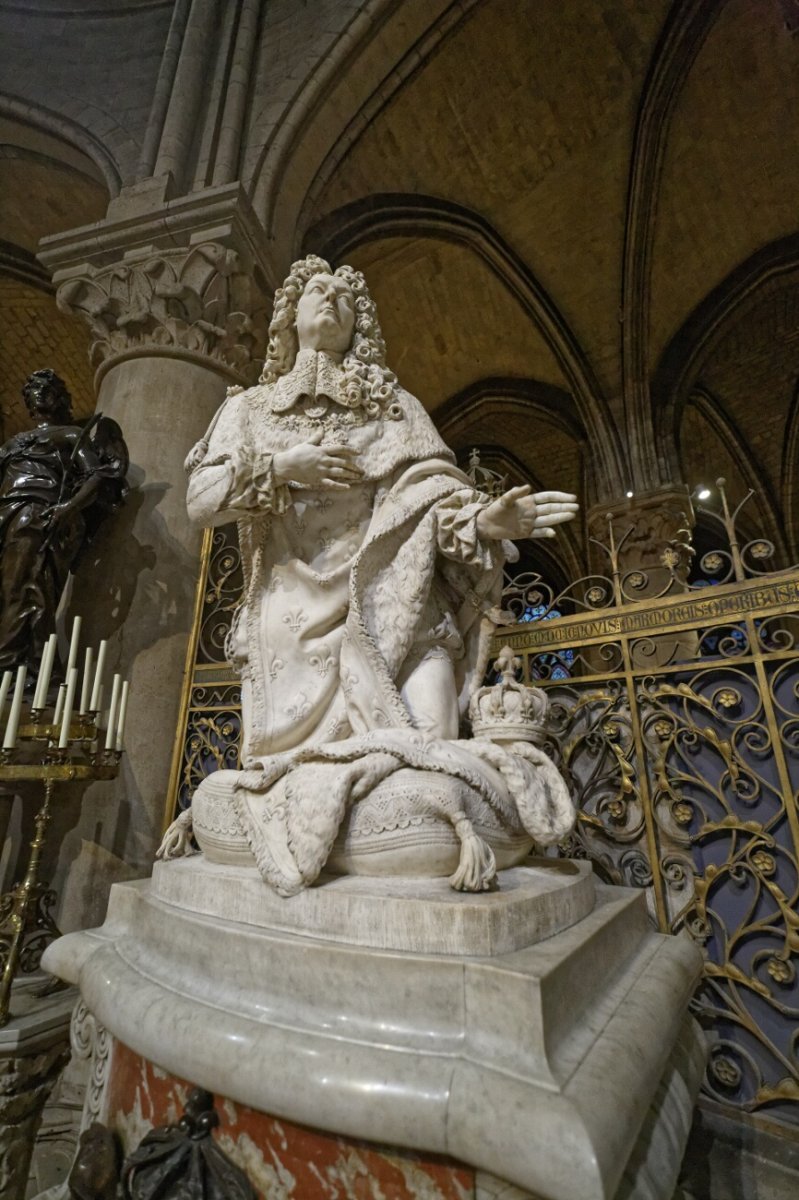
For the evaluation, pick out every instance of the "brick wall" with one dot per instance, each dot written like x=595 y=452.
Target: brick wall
x=35 y=335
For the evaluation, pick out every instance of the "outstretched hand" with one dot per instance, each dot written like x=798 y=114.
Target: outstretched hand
x=520 y=514
x=317 y=466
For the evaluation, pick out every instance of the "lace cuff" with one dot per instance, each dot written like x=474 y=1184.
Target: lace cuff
x=253 y=487
x=457 y=529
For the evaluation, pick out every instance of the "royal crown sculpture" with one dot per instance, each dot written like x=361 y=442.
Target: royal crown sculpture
x=508 y=711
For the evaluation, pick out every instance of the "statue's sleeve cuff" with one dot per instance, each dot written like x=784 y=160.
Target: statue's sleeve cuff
x=211 y=480
x=274 y=496
x=253 y=486
x=457 y=529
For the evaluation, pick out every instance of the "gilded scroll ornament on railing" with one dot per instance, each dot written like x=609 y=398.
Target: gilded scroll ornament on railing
x=211 y=704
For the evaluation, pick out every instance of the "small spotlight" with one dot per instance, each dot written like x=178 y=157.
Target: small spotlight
x=702 y=492
x=629 y=495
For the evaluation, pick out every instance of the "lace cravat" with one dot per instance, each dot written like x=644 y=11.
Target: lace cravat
x=315 y=379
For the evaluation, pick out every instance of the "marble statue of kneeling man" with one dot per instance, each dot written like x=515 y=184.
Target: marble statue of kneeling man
x=369 y=559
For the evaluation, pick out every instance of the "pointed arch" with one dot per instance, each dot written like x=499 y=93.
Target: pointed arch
x=531 y=396
x=410 y=215
x=698 y=336
x=321 y=121
x=67 y=130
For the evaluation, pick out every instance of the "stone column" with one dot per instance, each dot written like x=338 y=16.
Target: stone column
x=176 y=305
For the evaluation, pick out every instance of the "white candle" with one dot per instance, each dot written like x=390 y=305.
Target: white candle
x=87 y=681
x=123 y=712
x=72 y=683
x=94 y=703
x=4 y=686
x=45 y=671
x=10 y=740
x=73 y=645
x=110 y=737
x=59 y=704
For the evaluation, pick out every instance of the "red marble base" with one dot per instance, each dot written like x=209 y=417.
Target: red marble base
x=284 y=1161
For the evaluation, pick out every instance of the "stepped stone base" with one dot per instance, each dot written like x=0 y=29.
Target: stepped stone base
x=563 y=1065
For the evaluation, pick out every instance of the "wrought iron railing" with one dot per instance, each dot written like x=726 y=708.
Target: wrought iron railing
x=209 y=725
x=676 y=720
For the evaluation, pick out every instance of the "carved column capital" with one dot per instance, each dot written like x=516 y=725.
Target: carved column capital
x=186 y=281
x=197 y=302
x=652 y=533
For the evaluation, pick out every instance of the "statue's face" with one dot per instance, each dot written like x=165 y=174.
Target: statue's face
x=46 y=403
x=326 y=315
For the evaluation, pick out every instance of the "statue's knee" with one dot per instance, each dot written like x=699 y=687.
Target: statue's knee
x=431 y=697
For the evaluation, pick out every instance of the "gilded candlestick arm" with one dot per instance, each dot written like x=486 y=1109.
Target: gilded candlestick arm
x=69 y=739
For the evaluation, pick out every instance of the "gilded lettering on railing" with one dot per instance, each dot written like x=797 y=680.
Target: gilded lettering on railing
x=675 y=612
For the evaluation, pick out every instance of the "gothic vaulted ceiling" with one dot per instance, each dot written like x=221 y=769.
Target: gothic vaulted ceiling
x=578 y=219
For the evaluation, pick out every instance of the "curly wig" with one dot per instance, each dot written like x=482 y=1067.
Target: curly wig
x=368 y=383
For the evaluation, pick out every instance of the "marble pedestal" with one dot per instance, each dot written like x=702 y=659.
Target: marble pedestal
x=539 y=1036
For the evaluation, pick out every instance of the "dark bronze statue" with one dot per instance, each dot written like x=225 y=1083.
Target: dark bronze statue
x=58 y=482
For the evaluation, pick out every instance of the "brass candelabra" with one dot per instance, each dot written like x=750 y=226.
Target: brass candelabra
x=25 y=926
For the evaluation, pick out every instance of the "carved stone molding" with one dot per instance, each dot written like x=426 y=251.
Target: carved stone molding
x=91 y=1041
x=21 y=265
x=185 y=280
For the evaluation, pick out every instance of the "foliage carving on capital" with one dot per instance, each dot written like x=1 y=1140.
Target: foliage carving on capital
x=651 y=531
x=197 y=301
